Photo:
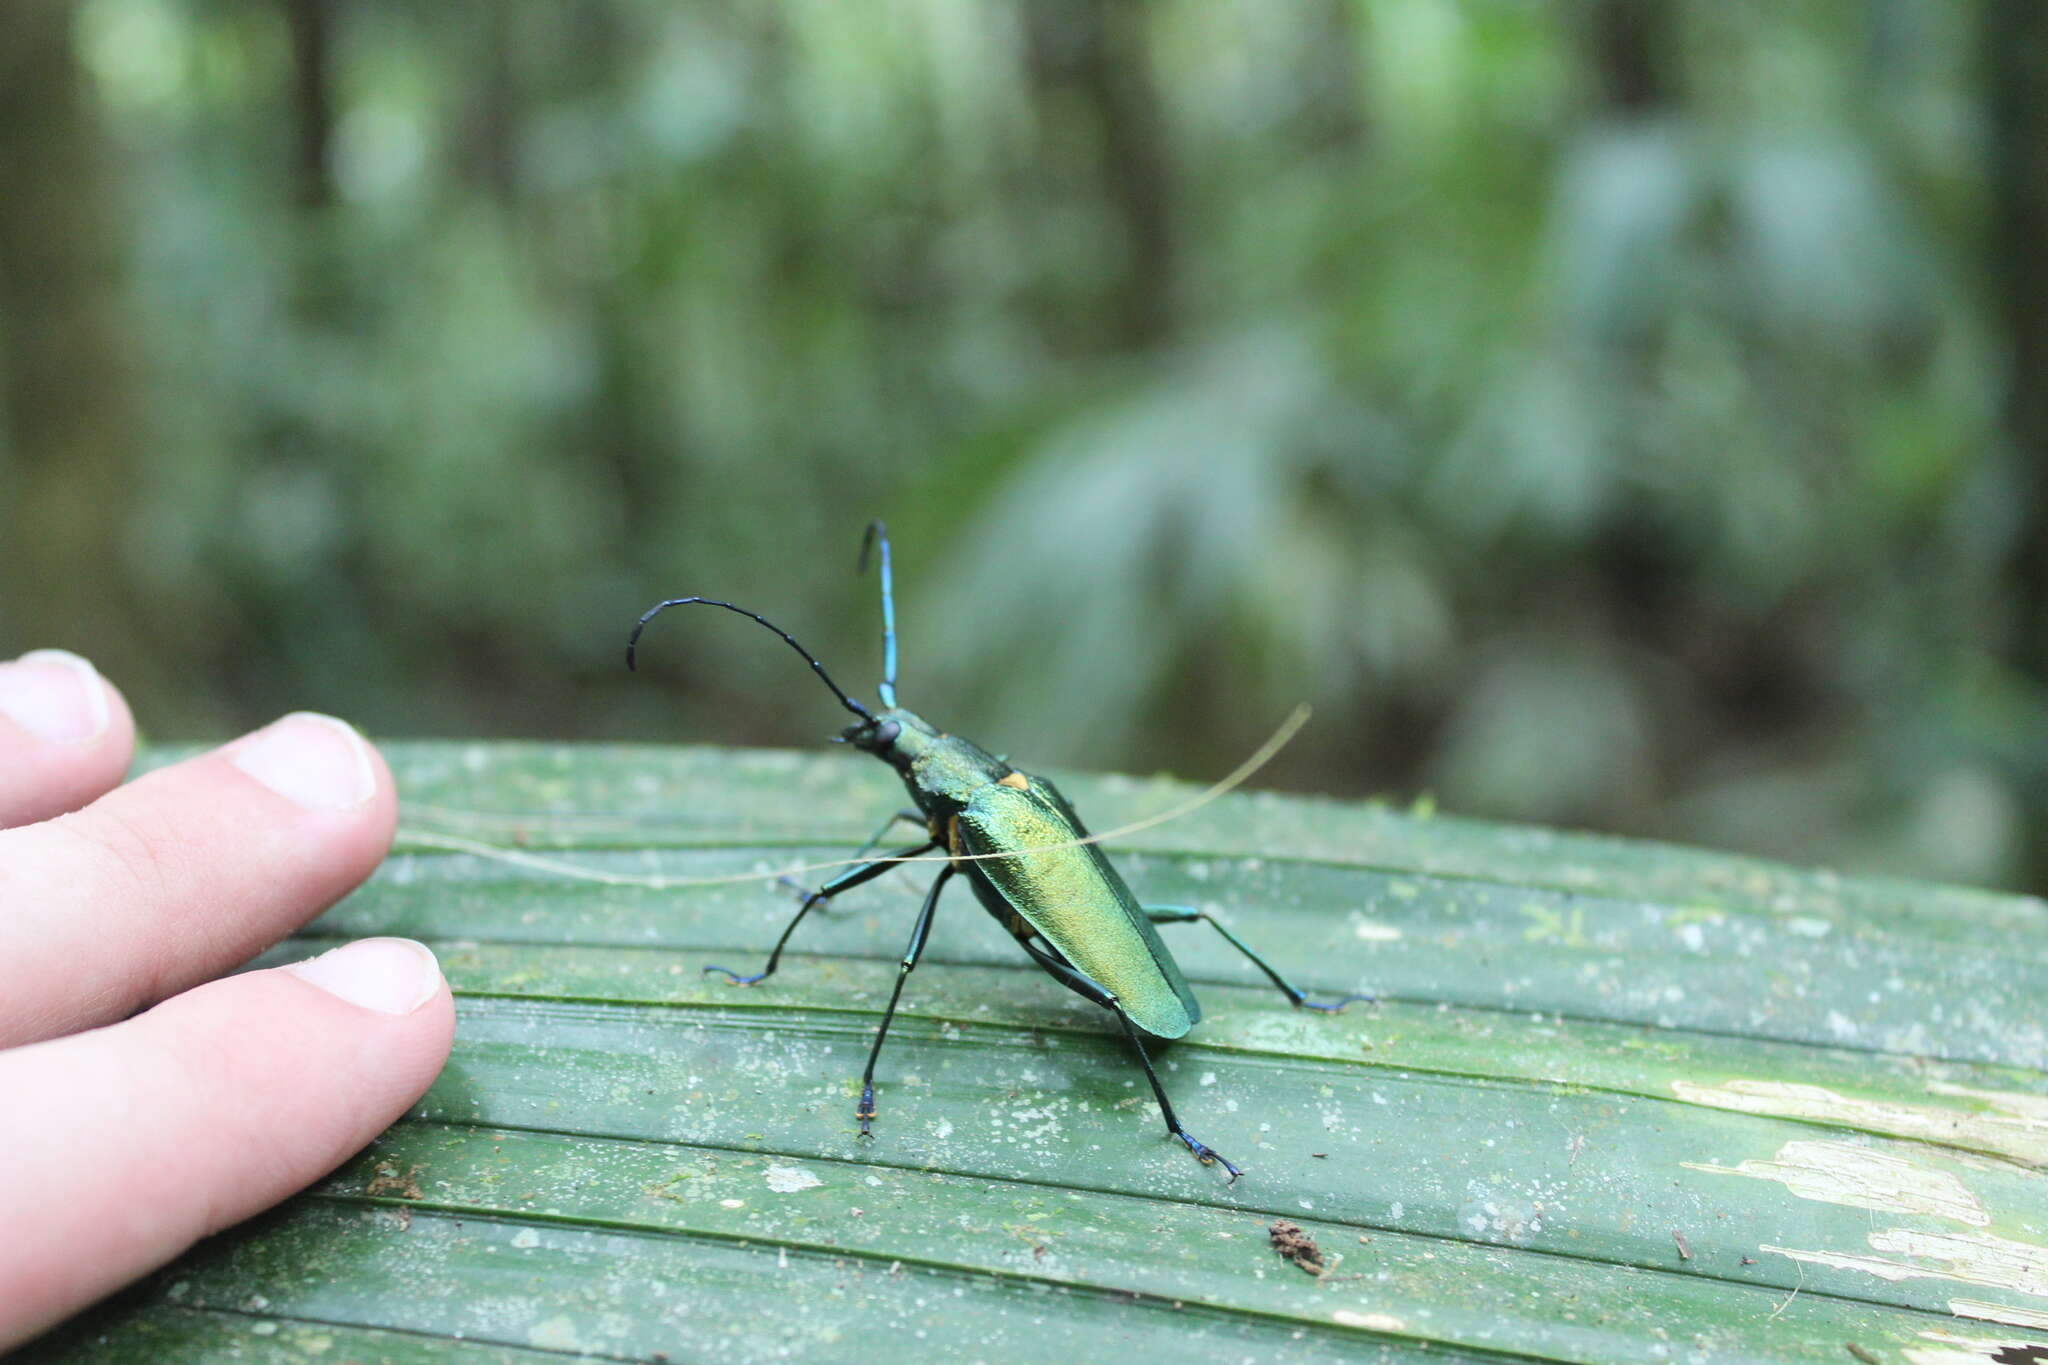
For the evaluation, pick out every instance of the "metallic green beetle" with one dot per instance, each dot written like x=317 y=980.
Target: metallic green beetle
x=1018 y=843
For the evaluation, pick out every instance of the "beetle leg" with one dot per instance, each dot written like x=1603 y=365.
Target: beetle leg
x=1087 y=989
x=913 y=817
x=1182 y=914
x=1202 y=1152
x=918 y=934
x=845 y=881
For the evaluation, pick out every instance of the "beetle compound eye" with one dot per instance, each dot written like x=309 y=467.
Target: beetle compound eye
x=886 y=732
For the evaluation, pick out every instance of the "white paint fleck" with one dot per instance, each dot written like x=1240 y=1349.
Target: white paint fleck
x=555 y=1334
x=1378 y=1322
x=1374 y=932
x=2019 y=1129
x=1862 y=1178
x=790 y=1179
x=1208 y=1078
x=1959 y=1350
x=1969 y=1257
x=1997 y=1312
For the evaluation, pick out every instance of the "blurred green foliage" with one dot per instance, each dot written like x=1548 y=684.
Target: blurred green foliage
x=1601 y=409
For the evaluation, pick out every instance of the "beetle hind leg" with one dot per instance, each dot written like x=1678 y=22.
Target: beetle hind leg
x=1181 y=914
x=1060 y=970
x=1200 y=1150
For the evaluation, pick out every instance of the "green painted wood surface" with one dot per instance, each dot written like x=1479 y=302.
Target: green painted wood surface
x=1619 y=1102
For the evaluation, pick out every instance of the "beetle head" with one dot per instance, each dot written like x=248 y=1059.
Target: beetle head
x=877 y=735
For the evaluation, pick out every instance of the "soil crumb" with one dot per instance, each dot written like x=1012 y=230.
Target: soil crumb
x=387 y=1180
x=1291 y=1244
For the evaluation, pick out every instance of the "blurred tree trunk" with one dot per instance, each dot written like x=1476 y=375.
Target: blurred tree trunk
x=1096 y=51
x=1330 y=116
x=2015 y=76
x=2016 y=91
x=491 y=116
x=1627 y=51
x=321 y=289
x=1628 y=47
x=311 y=23
x=68 y=380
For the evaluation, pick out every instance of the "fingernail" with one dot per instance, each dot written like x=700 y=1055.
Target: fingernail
x=388 y=975
x=315 y=760
x=55 y=695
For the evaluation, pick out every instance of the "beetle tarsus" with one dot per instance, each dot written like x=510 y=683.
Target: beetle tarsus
x=1302 y=1002
x=806 y=897
x=866 y=1110
x=733 y=978
x=1208 y=1155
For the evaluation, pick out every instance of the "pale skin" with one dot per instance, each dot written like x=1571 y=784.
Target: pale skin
x=146 y=1101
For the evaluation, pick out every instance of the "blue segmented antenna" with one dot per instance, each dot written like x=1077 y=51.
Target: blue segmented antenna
x=878 y=532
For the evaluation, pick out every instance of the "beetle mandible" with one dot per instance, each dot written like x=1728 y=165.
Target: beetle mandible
x=1031 y=862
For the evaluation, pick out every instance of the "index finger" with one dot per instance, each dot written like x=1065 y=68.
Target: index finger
x=185 y=873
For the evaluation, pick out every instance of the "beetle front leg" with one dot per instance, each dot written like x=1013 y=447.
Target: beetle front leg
x=919 y=933
x=845 y=881
x=1182 y=914
x=913 y=817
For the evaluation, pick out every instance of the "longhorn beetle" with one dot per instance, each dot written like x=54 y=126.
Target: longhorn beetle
x=1018 y=844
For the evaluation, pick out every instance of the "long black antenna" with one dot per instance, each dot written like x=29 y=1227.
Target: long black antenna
x=658 y=608
x=877 y=531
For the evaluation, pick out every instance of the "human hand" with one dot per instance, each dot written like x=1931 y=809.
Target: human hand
x=125 y=1139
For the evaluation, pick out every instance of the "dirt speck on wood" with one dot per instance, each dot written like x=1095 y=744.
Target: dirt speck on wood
x=387 y=1180
x=1291 y=1244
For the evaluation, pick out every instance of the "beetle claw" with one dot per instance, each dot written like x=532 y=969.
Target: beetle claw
x=733 y=978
